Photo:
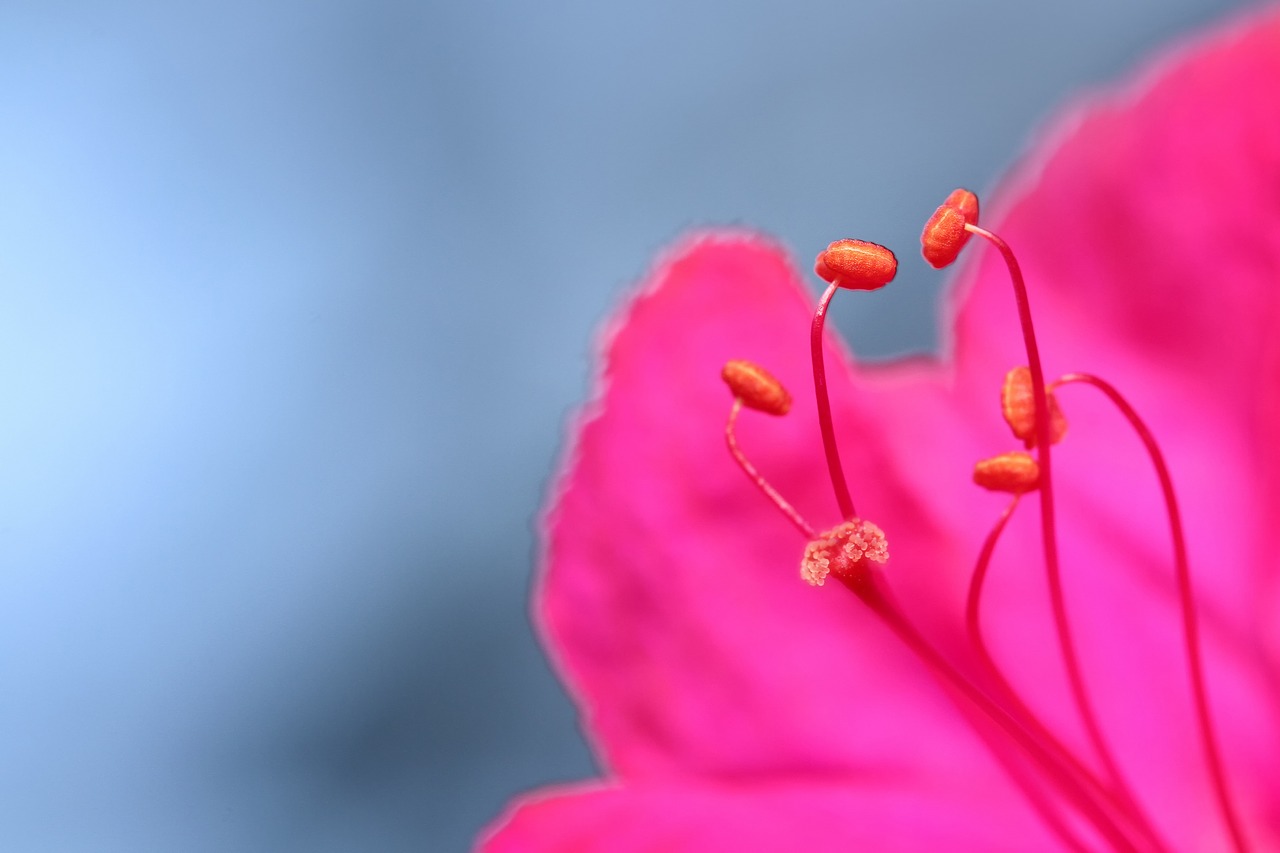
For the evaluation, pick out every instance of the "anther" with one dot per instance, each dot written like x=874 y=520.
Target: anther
x=1018 y=405
x=844 y=551
x=856 y=265
x=1048 y=528
x=943 y=237
x=756 y=387
x=966 y=202
x=944 y=234
x=1015 y=472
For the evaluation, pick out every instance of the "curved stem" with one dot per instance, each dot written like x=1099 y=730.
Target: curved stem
x=878 y=599
x=1022 y=776
x=754 y=476
x=1021 y=710
x=824 y=407
x=1186 y=599
x=1049 y=533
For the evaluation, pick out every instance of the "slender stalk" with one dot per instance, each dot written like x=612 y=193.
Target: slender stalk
x=824 y=407
x=1186 y=599
x=1021 y=710
x=754 y=476
x=878 y=599
x=1049 y=532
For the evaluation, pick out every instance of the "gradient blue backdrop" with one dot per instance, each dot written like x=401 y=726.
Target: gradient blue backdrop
x=294 y=300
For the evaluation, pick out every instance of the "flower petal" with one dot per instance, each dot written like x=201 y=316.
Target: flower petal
x=670 y=592
x=782 y=815
x=1148 y=236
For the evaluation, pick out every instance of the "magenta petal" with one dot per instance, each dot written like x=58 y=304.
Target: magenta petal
x=778 y=815
x=740 y=708
x=671 y=594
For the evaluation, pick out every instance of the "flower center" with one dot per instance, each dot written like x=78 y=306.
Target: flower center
x=1068 y=795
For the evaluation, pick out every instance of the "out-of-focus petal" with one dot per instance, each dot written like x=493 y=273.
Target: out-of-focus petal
x=867 y=813
x=671 y=595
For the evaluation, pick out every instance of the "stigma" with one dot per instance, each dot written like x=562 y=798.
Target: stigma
x=846 y=552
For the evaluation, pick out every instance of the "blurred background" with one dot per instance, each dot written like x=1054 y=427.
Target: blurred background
x=295 y=301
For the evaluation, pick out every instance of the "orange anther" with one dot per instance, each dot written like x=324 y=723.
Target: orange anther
x=756 y=387
x=844 y=551
x=1014 y=472
x=1017 y=403
x=856 y=265
x=943 y=236
x=966 y=202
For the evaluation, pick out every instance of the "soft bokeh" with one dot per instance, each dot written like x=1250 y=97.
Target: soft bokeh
x=295 y=299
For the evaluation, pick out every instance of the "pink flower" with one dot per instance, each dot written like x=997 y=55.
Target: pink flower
x=735 y=707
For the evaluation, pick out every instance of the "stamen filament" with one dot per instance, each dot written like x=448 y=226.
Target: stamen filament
x=824 y=407
x=754 y=476
x=1048 y=527
x=878 y=599
x=1020 y=708
x=1025 y=779
x=1186 y=598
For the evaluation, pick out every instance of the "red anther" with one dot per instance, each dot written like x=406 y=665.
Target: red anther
x=966 y=202
x=756 y=387
x=856 y=265
x=821 y=270
x=1018 y=405
x=943 y=236
x=844 y=551
x=1014 y=472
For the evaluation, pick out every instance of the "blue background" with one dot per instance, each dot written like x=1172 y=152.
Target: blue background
x=295 y=299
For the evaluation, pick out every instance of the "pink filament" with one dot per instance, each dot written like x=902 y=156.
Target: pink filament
x=1048 y=528
x=877 y=597
x=824 y=407
x=1186 y=598
x=754 y=476
x=1021 y=710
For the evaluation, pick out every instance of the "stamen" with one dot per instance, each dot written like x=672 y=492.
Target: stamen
x=1014 y=472
x=1186 y=598
x=754 y=387
x=846 y=553
x=851 y=264
x=1048 y=526
x=856 y=265
x=943 y=237
x=1021 y=710
x=1032 y=788
x=966 y=202
x=875 y=594
x=944 y=234
x=1017 y=404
